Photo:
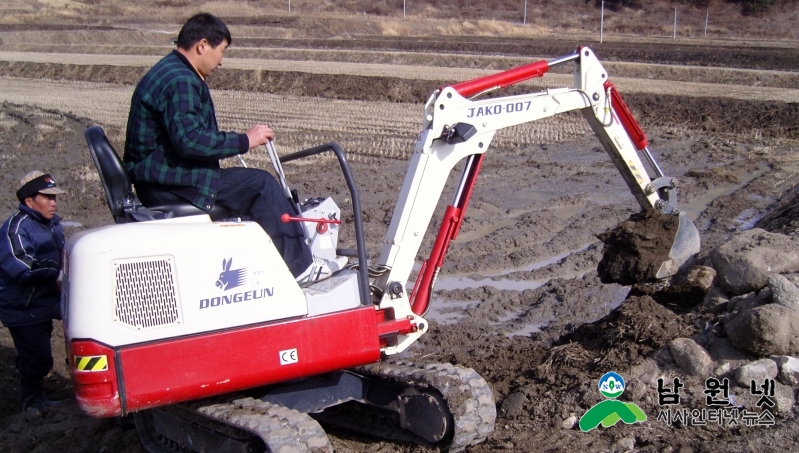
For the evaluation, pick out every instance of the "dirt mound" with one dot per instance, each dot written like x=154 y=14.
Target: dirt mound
x=643 y=321
x=635 y=250
x=622 y=339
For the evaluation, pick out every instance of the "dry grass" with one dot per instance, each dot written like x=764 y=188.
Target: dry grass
x=564 y=356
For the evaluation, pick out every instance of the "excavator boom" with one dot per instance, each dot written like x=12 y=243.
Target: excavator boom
x=459 y=126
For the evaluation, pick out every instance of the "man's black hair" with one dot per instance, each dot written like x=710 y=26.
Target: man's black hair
x=203 y=25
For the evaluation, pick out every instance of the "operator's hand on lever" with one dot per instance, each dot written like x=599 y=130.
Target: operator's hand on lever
x=259 y=135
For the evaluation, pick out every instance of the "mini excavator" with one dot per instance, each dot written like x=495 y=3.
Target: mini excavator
x=217 y=348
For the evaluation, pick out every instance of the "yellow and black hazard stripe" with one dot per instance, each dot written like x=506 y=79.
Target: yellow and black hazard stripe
x=91 y=363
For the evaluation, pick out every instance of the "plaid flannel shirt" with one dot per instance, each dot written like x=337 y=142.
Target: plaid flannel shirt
x=172 y=136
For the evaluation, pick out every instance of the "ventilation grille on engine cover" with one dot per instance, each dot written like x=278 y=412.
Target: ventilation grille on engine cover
x=145 y=294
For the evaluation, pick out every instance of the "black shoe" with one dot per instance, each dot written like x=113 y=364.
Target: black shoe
x=33 y=408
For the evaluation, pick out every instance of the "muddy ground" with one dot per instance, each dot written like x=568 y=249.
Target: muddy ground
x=519 y=299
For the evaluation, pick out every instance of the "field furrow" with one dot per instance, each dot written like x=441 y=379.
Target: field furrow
x=364 y=129
x=625 y=84
x=641 y=70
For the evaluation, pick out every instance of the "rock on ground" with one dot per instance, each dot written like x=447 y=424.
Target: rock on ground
x=691 y=357
x=748 y=301
x=716 y=300
x=765 y=330
x=784 y=397
x=756 y=371
x=745 y=262
x=513 y=404
x=789 y=370
x=784 y=292
x=683 y=291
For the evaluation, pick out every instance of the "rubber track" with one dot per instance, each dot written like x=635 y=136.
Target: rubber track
x=283 y=430
x=470 y=399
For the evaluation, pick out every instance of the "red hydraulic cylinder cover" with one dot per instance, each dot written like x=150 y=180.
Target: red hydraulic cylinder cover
x=501 y=80
x=626 y=117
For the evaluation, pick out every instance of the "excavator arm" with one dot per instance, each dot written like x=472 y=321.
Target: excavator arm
x=457 y=126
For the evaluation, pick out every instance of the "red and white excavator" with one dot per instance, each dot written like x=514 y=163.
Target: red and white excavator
x=193 y=324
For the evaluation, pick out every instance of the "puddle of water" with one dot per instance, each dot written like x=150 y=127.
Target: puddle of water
x=509 y=316
x=523 y=199
x=552 y=260
x=480 y=232
x=607 y=197
x=747 y=219
x=700 y=203
x=447 y=312
x=610 y=302
x=526 y=330
x=567 y=212
x=71 y=223
x=453 y=283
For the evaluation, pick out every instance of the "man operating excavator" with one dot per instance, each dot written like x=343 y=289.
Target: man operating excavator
x=173 y=146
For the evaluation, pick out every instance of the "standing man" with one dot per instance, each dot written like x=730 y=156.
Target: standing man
x=173 y=146
x=31 y=242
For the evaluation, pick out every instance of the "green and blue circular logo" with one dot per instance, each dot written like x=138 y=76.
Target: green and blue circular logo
x=608 y=412
x=611 y=385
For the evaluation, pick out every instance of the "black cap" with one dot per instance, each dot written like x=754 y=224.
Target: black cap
x=37 y=182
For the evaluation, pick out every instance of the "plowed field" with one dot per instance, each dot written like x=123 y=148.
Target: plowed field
x=519 y=299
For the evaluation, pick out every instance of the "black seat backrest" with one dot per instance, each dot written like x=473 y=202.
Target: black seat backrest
x=122 y=201
x=113 y=177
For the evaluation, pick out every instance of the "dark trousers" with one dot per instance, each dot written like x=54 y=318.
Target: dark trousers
x=253 y=194
x=34 y=357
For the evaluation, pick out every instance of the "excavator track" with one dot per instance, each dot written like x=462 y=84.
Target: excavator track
x=464 y=396
x=283 y=430
x=468 y=396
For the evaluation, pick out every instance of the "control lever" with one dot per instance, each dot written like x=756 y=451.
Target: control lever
x=321 y=226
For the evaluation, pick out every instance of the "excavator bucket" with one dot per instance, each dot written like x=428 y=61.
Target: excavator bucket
x=685 y=247
x=647 y=247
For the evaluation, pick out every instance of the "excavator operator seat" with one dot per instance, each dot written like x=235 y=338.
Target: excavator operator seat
x=122 y=201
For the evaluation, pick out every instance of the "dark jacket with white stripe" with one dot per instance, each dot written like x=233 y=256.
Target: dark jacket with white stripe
x=30 y=261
